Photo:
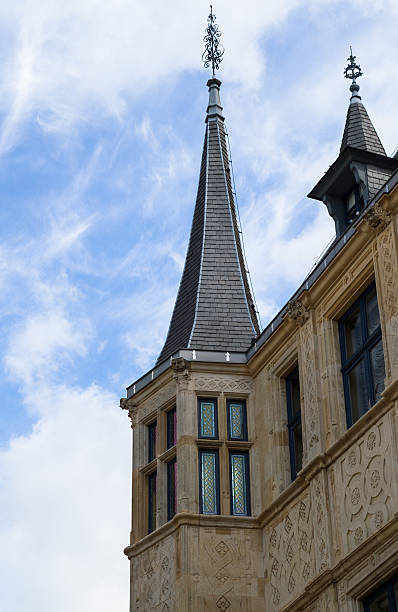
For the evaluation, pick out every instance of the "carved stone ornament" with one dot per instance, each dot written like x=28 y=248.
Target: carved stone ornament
x=182 y=376
x=132 y=410
x=296 y=311
x=377 y=218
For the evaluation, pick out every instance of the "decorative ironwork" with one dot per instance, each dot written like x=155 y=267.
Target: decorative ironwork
x=214 y=50
x=353 y=70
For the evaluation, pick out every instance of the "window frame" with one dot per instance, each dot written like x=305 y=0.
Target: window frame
x=245 y=454
x=293 y=421
x=388 y=588
x=244 y=437
x=368 y=343
x=217 y=473
x=204 y=400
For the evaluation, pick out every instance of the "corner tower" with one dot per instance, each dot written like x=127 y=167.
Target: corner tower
x=195 y=544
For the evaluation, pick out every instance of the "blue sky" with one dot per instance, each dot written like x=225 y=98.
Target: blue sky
x=102 y=111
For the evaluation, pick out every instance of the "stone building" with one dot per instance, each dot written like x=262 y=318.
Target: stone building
x=265 y=465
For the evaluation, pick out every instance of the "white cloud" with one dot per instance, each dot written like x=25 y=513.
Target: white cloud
x=65 y=505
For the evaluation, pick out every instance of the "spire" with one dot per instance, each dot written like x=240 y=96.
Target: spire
x=359 y=132
x=214 y=309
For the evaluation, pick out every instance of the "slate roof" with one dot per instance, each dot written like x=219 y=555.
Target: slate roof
x=359 y=131
x=214 y=309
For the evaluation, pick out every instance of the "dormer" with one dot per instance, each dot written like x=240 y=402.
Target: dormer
x=362 y=167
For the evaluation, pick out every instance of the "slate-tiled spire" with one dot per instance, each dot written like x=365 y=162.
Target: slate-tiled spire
x=359 y=131
x=214 y=309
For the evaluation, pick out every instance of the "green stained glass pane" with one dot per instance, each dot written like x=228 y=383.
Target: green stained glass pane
x=207 y=419
x=239 y=484
x=236 y=421
x=209 y=483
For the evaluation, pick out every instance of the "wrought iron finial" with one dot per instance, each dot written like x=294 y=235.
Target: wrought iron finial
x=353 y=71
x=213 y=48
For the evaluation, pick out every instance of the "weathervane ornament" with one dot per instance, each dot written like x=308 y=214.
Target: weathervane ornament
x=213 y=48
x=353 y=71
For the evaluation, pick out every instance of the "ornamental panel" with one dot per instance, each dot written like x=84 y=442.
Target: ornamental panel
x=153 y=578
x=366 y=496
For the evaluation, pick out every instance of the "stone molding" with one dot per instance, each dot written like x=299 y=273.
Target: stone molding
x=132 y=408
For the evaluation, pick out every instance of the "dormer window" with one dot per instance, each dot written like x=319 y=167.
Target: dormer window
x=354 y=204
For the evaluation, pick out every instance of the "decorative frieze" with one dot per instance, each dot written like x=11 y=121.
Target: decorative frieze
x=227 y=384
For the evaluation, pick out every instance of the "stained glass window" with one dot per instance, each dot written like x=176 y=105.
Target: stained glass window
x=362 y=355
x=207 y=418
x=237 y=420
x=171 y=428
x=152 y=441
x=239 y=473
x=151 y=502
x=171 y=488
x=209 y=479
x=294 y=422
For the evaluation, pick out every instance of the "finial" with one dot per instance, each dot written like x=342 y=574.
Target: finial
x=353 y=71
x=213 y=48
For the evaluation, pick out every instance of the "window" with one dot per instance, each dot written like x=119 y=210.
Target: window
x=151 y=502
x=385 y=599
x=207 y=418
x=171 y=488
x=171 y=428
x=237 y=420
x=294 y=422
x=209 y=492
x=353 y=204
x=240 y=484
x=151 y=441
x=362 y=355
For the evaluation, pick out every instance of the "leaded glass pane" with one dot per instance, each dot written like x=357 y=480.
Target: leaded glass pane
x=358 y=391
x=239 y=484
x=207 y=419
x=209 y=482
x=378 y=371
x=237 y=421
x=171 y=428
x=353 y=333
x=372 y=313
x=152 y=502
x=298 y=446
x=171 y=488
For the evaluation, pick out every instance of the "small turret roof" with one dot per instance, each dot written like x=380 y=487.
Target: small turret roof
x=359 y=131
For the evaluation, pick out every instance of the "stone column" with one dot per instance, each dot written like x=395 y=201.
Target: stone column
x=187 y=453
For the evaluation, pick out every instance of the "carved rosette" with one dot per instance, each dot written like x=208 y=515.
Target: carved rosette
x=132 y=408
x=366 y=495
x=296 y=311
x=377 y=217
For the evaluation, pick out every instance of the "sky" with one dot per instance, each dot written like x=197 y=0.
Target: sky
x=102 y=108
